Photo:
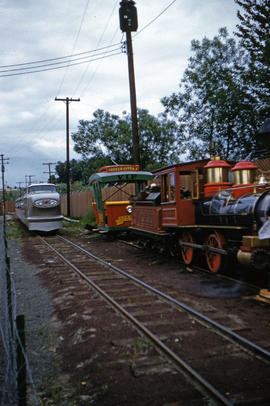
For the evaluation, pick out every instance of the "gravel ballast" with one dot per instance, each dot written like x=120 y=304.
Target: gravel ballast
x=33 y=301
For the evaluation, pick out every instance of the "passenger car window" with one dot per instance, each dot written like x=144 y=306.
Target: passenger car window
x=185 y=184
x=168 y=187
x=172 y=186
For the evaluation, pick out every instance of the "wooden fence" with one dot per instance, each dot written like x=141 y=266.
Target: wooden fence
x=10 y=207
x=81 y=202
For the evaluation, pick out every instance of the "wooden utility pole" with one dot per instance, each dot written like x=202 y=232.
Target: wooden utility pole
x=128 y=23
x=67 y=100
x=50 y=172
x=3 y=160
x=20 y=187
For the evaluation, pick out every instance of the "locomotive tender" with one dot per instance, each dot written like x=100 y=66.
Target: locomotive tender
x=208 y=207
x=39 y=208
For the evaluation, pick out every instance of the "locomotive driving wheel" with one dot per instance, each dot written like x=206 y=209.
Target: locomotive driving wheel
x=187 y=252
x=215 y=261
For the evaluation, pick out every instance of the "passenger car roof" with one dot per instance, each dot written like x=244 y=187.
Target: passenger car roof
x=111 y=177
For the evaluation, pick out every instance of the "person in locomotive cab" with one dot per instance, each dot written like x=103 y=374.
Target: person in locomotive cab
x=154 y=188
x=185 y=193
x=142 y=195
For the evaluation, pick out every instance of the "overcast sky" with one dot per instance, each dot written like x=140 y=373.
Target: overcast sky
x=32 y=123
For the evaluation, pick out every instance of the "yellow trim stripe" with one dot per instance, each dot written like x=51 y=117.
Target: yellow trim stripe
x=117 y=203
x=211 y=226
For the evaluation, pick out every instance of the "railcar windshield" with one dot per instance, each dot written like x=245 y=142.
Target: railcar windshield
x=42 y=188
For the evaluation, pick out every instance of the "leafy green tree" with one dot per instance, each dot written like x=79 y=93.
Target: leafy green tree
x=12 y=195
x=214 y=109
x=110 y=136
x=254 y=34
x=80 y=170
x=76 y=170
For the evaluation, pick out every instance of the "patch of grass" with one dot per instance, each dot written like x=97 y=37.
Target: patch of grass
x=14 y=230
x=56 y=390
x=90 y=219
x=141 y=346
x=79 y=225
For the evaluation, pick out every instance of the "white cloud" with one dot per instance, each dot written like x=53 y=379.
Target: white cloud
x=32 y=125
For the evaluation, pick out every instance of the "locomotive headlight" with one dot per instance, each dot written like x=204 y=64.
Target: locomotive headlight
x=129 y=209
x=46 y=203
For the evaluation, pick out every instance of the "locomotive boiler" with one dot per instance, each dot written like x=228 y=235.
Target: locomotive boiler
x=39 y=208
x=216 y=209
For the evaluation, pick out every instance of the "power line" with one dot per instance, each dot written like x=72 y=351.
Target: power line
x=60 y=67
x=69 y=62
x=154 y=19
x=99 y=41
x=55 y=63
x=58 y=58
x=75 y=43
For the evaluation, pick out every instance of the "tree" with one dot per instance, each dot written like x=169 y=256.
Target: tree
x=80 y=170
x=254 y=34
x=76 y=170
x=214 y=109
x=109 y=136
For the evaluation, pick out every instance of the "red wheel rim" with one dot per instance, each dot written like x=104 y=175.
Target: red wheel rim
x=187 y=252
x=215 y=260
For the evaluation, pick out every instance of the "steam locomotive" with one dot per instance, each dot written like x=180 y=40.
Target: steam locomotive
x=216 y=209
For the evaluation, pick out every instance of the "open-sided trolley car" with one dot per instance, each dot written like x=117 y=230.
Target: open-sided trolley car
x=114 y=188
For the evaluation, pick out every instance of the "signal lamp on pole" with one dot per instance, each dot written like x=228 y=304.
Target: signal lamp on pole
x=128 y=23
x=128 y=16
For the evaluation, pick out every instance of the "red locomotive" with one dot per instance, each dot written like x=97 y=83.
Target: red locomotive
x=214 y=208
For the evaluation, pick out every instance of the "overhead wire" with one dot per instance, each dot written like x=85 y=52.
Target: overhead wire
x=58 y=58
x=154 y=19
x=99 y=41
x=42 y=68
x=74 y=58
x=74 y=44
x=63 y=61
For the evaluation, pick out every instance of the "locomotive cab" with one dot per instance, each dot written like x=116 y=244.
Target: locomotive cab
x=180 y=187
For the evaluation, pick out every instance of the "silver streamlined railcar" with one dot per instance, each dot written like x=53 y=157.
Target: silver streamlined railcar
x=39 y=208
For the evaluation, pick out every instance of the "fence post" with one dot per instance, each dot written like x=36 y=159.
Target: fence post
x=21 y=366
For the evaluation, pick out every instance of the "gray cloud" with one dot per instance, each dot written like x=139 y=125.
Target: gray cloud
x=32 y=125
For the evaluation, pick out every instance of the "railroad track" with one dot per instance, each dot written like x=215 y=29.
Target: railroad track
x=222 y=370
x=242 y=280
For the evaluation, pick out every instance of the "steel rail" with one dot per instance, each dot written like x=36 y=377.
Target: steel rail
x=242 y=342
x=205 y=387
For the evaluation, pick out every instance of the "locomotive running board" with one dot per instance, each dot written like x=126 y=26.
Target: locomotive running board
x=213 y=226
x=160 y=233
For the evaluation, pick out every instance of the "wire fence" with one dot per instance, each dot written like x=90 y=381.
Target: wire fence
x=15 y=372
